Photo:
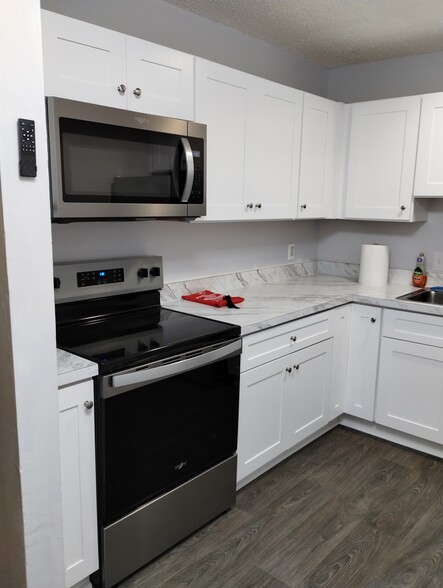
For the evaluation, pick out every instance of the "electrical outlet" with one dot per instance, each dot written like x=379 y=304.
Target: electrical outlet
x=291 y=251
x=438 y=261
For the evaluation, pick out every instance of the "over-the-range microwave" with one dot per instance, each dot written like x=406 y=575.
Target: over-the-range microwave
x=111 y=164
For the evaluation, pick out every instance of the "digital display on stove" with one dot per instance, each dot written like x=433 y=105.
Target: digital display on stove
x=99 y=277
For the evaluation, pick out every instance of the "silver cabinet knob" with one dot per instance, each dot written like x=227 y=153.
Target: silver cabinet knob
x=121 y=89
x=303 y=206
x=258 y=205
x=289 y=370
x=293 y=338
x=88 y=404
x=373 y=320
x=250 y=205
x=403 y=207
x=137 y=92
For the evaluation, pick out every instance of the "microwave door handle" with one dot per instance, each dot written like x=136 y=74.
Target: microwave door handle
x=189 y=170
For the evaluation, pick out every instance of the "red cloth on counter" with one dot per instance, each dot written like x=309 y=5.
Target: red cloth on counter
x=213 y=299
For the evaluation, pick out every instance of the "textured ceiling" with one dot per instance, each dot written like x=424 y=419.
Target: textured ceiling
x=333 y=33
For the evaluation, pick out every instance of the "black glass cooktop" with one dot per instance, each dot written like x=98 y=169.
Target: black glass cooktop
x=128 y=338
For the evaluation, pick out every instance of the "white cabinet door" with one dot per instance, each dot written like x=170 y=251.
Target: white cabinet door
x=342 y=316
x=221 y=102
x=272 y=161
x=381 y=164
x=429 y=169
x=307 y=391
x=260 y=433
x=410 y=389
x=364 y=336
x=160 y=80
x=82 y=61
x=318 y=159
x=77 y=449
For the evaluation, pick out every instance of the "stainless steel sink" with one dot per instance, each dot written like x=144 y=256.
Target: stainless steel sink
x=426 y=295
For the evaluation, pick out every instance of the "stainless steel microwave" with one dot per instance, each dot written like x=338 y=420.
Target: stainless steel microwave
x=111 y=164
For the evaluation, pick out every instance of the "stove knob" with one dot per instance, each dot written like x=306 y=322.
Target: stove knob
x=143 y=272
x=155 y=271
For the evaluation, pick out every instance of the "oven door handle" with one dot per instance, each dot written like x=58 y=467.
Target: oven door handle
x=149 y=375
x=189 y=169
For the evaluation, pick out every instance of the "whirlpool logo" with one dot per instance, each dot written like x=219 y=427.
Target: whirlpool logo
x=142 y=119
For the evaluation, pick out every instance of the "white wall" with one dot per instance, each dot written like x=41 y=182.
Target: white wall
x=189 y=250
x=31 y=548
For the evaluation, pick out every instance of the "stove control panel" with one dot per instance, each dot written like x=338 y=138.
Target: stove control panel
x=90 y=279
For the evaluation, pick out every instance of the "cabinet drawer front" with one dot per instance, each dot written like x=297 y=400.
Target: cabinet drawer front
x=418 y=328
x=279 y=341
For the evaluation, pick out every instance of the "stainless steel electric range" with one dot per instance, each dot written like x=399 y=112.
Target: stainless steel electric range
x=166 y=402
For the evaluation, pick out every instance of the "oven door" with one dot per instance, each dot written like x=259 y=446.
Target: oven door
x=162 y=424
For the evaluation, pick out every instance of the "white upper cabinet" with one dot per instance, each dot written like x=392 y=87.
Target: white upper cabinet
x=221 y=103
x=272 y=150
x=381 y=162
x=318 y=160
x=429 y=169
x=82 y=61
x=253 y=145
x=89 y=63
x=160 y=80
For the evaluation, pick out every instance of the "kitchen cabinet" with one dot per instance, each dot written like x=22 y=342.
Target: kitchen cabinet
x=410 y=383
x=429 y=168
x=78 y=480
x=89 y=63
x=361 y=374
x=319 y=157
x=381 y=160
x=340 y=329
x=253 y=143
x=284 y=389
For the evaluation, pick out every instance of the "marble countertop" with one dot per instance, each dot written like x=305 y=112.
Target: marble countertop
x=73 y=369
x=269 y=301
x=274 y=303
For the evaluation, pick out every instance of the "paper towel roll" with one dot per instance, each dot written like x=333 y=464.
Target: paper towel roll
x=374 y=265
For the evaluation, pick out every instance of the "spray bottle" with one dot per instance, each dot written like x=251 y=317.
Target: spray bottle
x=419 y=276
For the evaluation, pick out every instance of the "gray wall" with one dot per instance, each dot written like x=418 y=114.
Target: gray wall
x=406 y=76
x=168 y=25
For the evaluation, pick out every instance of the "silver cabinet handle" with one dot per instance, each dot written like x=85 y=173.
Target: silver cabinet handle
x=303 y=206
x=258 y=205
x=121 y=89
x=189 y=169
x=137 y=92
x=289 y=370
x=403 y=207
x=88 y=404
x=373 y=320
x=250 y=205
x=293 y=338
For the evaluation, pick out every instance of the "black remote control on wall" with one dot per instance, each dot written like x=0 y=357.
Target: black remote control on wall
x=26 y=142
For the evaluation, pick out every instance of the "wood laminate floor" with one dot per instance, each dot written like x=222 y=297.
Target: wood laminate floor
x=348 y=510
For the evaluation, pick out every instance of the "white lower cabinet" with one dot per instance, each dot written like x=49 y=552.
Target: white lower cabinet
x=361 y=373
x=78 y=481
x=410 y=379
x=285 y=400
x=307 y=392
